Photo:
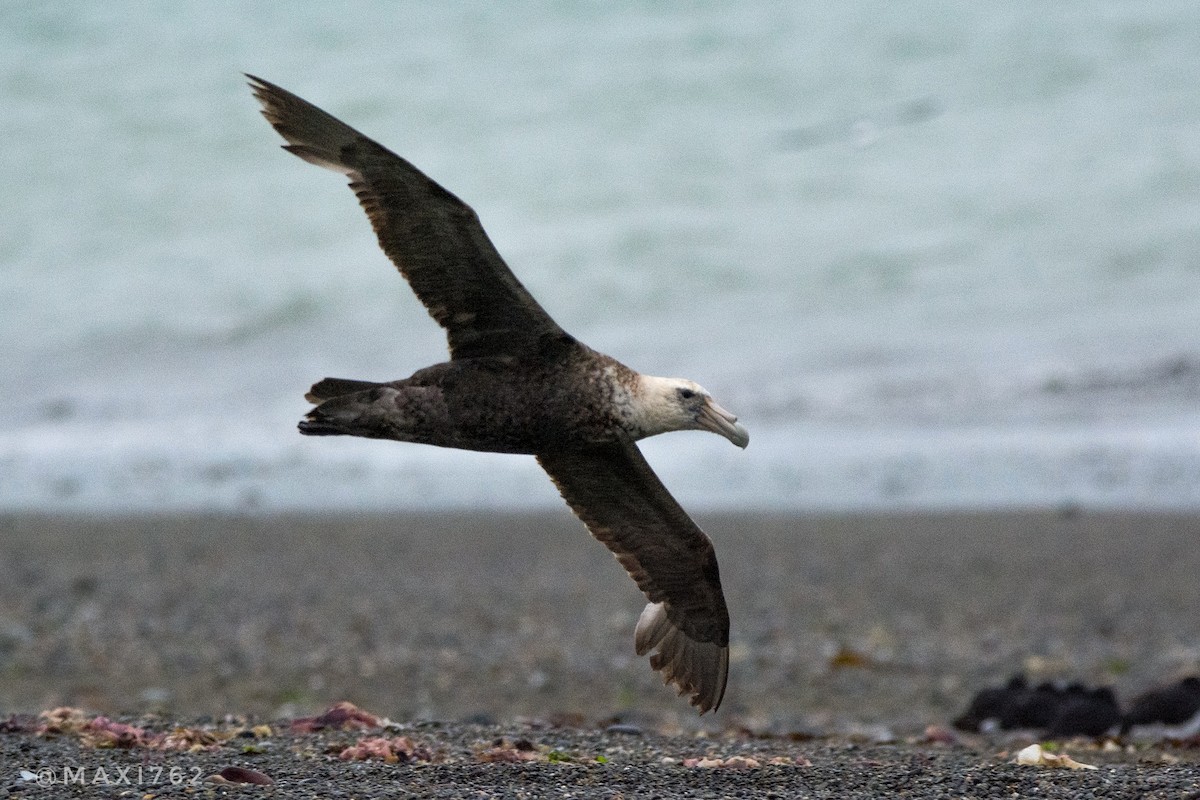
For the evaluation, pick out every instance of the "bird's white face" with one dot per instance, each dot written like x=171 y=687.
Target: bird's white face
x=677 y=404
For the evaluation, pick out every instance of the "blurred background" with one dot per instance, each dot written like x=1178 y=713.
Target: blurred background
x=935 y=256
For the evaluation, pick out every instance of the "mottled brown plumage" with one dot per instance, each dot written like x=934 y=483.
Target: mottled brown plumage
x=518 y=383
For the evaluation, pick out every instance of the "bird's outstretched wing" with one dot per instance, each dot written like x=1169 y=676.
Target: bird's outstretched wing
x=434 y=238
x=624 y=504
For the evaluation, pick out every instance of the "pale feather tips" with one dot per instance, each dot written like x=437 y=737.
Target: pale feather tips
x=698 y=669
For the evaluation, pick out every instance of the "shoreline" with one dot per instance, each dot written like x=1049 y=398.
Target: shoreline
x=856 y=640
x=839 y=621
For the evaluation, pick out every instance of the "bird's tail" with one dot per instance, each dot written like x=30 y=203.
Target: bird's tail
x=329 y=388
x=399 y=410
x=341 y=404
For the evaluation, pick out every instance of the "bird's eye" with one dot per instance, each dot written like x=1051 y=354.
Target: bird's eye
x=686 y=394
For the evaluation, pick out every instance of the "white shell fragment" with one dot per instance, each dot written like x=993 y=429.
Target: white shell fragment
x=1034 y=755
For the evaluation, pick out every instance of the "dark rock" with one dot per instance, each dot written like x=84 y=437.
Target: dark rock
x=1169 y=705
x=1032 y=708
x=1085 y=712
x=1073 y=710
x=991 y=704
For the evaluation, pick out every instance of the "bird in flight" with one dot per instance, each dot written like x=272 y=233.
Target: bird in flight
x=518 y=383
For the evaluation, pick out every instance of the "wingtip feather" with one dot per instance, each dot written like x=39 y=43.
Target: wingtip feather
x=698 y=669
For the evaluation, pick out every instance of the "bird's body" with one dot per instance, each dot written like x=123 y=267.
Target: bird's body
x=581 y=398
x=518 y=383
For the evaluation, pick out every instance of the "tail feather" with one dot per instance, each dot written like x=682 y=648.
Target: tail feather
x=342 y=408
x=395 y=410
x=328 y=388
x=316 y=427
x=338 y=416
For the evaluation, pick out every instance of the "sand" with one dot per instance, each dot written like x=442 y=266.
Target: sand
x=851 y=635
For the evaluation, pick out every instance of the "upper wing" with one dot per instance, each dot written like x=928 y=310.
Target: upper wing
x=624 y=504
x=433 y=237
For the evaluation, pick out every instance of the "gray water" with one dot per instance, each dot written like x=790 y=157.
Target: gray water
x=934 y=255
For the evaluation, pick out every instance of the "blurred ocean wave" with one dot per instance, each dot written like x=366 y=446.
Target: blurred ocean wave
x=933 y=259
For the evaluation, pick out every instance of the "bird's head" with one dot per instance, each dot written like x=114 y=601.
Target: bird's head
x=676 y=404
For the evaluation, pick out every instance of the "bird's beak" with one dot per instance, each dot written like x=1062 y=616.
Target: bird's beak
x=716 y=419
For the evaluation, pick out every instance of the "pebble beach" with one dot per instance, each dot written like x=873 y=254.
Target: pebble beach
x=856 y=641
